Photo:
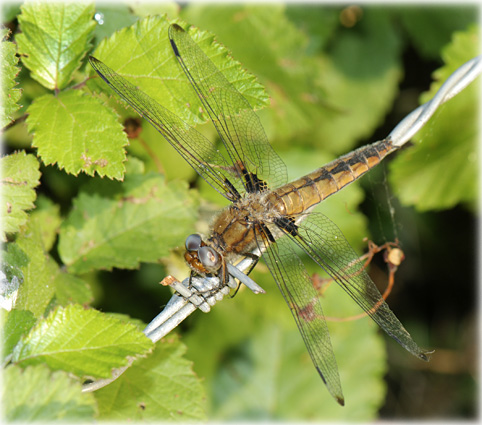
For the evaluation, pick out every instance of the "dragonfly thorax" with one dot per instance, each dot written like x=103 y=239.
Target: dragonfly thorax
x=235 y=229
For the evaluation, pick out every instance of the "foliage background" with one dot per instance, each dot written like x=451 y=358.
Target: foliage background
x=337 y=78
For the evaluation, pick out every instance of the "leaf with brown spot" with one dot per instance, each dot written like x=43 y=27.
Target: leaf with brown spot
x=20 y=175
x=166 y=384
x=79 y=134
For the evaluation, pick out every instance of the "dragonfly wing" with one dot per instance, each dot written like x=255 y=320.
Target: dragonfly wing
x=197 y=150
x=324 y=242
x=298 y=291
x=238 y=126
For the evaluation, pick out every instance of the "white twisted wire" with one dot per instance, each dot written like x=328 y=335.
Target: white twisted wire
x=457 y=81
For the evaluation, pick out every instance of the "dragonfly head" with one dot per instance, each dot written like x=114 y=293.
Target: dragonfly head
x=201 y=258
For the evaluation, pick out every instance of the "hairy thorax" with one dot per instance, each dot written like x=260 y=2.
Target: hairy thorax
x=234 y=229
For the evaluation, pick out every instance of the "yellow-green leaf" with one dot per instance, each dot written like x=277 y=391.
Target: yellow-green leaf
x=162 y=387
x=37 y=394
x=142 y=54
x=78 y=133
x=9 y=70
x=142 y=222
x=55 y=37
x=82 y=341
x=20 y=176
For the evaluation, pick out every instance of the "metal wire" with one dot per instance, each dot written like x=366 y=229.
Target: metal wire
x=202 y=294
x=457 y=81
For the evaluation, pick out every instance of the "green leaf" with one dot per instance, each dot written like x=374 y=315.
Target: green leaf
x=37 y=394
x=38 y=288
x=16 y=323
x=431 y=28
x=159 y=388
x=271 y=377
x=71 y=289
x=142 y=54
x=27 y=260
x=441 y=170
x=140 y=222
x=20 y=175
x=9 y=70
x=54 y=39
x=78 y=133
x=48 y=217
x=83 y=342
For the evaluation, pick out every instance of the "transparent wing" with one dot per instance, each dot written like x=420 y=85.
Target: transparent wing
x=238 y=126
x=298 y=291
x=197 y=150
x=324 y=242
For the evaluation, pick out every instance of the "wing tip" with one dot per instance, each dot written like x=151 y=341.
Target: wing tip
x=338 y=397
x=176 y=27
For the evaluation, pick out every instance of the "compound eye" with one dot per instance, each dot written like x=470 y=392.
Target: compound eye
x=193 y=242
x=209 y=257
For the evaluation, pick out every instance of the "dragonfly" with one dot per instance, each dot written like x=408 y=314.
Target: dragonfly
x=267 y=215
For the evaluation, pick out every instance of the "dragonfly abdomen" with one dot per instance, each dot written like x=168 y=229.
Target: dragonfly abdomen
x=313 y=188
